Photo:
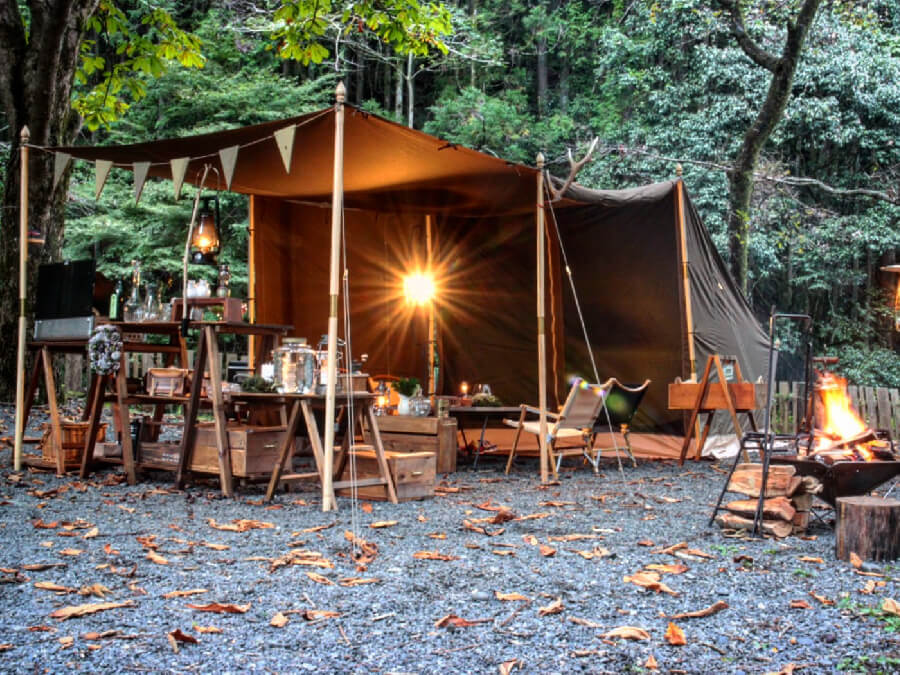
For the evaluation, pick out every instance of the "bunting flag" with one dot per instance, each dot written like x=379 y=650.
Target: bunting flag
x=285 y=140
x=140 y=177
x=60 y=162
x=179 y=168
x=228 y=157
x=103 y=166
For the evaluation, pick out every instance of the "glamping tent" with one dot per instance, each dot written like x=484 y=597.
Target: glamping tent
x=654 y=295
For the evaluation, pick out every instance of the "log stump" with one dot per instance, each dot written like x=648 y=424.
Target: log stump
x=869 y=527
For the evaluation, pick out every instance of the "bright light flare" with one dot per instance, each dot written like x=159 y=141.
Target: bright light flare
x=419 y=288
x=840 y=420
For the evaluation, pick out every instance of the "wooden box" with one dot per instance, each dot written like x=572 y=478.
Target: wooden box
x=74 y=436
x=158 y=455
x=405 y=433
x=413 y=473
x=254 y=450
x=166 y=381
x=746 y=396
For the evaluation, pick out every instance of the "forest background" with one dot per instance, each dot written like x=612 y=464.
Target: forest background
x=660 y=83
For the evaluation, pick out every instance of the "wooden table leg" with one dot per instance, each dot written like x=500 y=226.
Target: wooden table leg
x=94 y=411
x=190 y=414
x=379 y=453
x=285 y=452
x=315 y=440
x=32 y=388
x=55 y=423
x=695 y=411
x=125 y=421
x=218 y=403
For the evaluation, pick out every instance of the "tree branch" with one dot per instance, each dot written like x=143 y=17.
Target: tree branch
x=756 y=53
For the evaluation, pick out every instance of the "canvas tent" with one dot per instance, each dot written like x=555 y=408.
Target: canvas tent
x=627 y=251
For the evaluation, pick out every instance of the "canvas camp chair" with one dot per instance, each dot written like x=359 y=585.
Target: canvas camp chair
x=622 y=402
x=573 y=423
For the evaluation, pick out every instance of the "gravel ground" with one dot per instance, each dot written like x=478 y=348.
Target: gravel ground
x=573 y=588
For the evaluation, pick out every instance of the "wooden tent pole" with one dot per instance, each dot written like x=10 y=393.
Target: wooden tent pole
x=337 y=210
x=24 y=137
x=251 y=285
x=431 y=389
x=686 y=281
x=541 y=326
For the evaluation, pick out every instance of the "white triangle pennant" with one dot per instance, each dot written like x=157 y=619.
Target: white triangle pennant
x=285 y=140
x=60 y=162
x=179 y=168
x=140 y=177
x=228 y=156
x=103 y=166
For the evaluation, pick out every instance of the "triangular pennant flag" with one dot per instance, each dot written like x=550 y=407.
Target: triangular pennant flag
x=285 y=140
x=60 y=162
x=140 y=176
x=229 y=159
x=103 y=167
x=179 y=168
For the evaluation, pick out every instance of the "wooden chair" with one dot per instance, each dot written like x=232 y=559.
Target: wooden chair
x=574 y=422
x=622 y=402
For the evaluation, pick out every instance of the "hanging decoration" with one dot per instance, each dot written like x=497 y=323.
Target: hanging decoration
x=60 y=162
x=140 y=177
x=284 y=138
x=179 y=168
x=105 y=349
x=103 y=166
x=228 y=156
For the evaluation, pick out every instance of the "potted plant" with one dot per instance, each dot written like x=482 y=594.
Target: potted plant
x=405 y=387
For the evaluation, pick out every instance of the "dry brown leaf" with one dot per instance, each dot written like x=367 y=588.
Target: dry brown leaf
x=310 y=530
x=810 y=559
x=502 y=516
x=71 y=551
x=649 y=580
x=453 y=620
x=99 y=590
x=366 y=507
x=67 y=641
x=220 y=608
x=668 y=569
x=584 y=622
x=364 y=552
x=890 y=606
x=215 y=547
x=530 y=539
x=574 y=537
x=869 y=588
x=41 y=525
x=207 y=629
x=240 y=525
x=717 y=606
x=421 y=518
x=503 y=552
x=674 y=635
x=627 y=633
x=71 y=611
x=556 y=503
x=184 y=594
x=41 y=629
x=319 y=614
x=697 y=553
x=152 y=556
x=50 y=586
x=646 y=542
x=109 y=550
x=651 y=663
x=177 y=636
x=90 y=534
x=437 y=535
x=533 y=516
x=547 y=551
x=147 y=541
x=510 y=597
x=799 y=604
x=554 y=607
x=319 y=579
x=40 y=567
x=279 y=620
x=433 y=555
x=507 y=667
x=357 y=581
x=598 y=552
x=855 y=560
x=383 y=523
x=821 y=598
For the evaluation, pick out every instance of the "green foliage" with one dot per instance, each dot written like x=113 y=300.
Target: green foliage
x=406 y=386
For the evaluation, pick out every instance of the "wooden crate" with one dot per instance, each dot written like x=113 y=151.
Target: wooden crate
x=254 y=450
x=746 y=396
x=166 y=381
x=405 y=433
x=74 y=436
x=413 y=473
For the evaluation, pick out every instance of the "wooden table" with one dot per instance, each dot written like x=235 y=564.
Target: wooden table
x=207 y=359
x=471 y=415
x=302 y=405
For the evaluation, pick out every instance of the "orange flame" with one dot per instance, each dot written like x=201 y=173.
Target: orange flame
x=839 y=418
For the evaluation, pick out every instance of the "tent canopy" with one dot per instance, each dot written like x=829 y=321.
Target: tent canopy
x=624 y=249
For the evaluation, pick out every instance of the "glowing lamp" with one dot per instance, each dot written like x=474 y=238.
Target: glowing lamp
x=205 y=237
x=418 y=288
x=464 y=388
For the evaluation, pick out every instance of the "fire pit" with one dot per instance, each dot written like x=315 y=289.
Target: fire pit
x=843 y=478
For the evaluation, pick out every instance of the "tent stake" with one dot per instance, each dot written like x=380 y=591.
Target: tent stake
x=24 y=137
x=541 y=326
x=337 y=208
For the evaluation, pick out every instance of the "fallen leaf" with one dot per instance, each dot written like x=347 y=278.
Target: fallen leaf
x=646 y=542
x=215 y=547
x=453 y=620
x=64 y=613
x=40 y=567
x=810 y=559
x=668 y=569
x=152 y=556
x=50 y=586
x=99 y=590
x=503 y=552
x=109 y=550
x=356 y=581
x=869 y=588
x=147 y=541
x=366 y=507
x=855 y=560
x=890 y=606
x=40 y=629
x=207 y=629
x=364 y=552
x=41 y=525
x=129 y=509
x=717 y=606
x=821 y=598
x=279 y=620
x=530 y=539
x=649 y=580
x=67 y=641
x=547 y=551
x=800 y=604
x=71 y=551
x=574 y=537
x=221 y=608
x=240 y=525
x=184 y=594
x=318 y=614
x=317 y=528
x=433 y=555
x=627 y=633
x=598 y=552
x=674 y=635
x=383 y=523
x=507 y=667
x=177 y=636
x=319 y=579
x=554 y=607
x=90 y=534
x=556 y=503
x=510 y=597
x=437 y=535
x=584 y=622
x=533 y=516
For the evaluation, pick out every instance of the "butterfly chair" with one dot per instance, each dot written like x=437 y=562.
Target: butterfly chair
x=573 y=423
x=622 y=403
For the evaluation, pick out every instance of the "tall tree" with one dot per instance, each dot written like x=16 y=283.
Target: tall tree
x=782 y=67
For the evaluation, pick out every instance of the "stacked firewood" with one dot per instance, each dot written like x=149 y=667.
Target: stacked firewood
x=786 y=506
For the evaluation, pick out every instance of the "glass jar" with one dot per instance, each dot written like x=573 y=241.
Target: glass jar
x=295 y=365
x=151 y=305
x=133 y=310
x=223 y=290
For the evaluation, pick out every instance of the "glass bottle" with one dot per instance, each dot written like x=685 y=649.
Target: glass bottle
x=223 y=290
x=151 y=305
x=115 y=302
x=133 y=308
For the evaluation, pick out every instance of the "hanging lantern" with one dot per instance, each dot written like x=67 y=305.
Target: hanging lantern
x=896 y=270
x=205 y=237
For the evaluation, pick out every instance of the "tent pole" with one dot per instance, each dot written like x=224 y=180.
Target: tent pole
x=686 y=281
x=541 y=327
x=24 y=137
x=432 y=345
x=251 y=284
x=337 y=209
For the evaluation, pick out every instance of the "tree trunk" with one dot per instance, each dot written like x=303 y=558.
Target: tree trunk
x=35 y=91
x=542 y=77
x=740 y=180
x=410 y=90
x=398 y=94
